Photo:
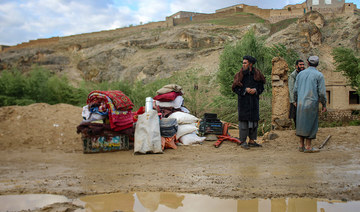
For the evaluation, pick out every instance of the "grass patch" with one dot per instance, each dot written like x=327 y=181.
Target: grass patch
x=278 y=26
x=354 y=123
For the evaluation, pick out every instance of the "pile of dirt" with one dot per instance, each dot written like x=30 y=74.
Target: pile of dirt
x=41 y=126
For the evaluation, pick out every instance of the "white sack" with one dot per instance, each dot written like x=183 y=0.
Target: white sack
x=184 y=129
x=147 y=133
x=191 y=138
x=184 y=109
x=183 y=118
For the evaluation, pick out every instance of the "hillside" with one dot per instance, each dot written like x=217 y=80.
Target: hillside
x=136 y=53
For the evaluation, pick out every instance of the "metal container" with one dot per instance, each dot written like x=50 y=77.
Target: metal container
x=148 y=104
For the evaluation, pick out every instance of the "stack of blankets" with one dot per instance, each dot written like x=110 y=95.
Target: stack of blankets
x=170 y=99
x=113 y=108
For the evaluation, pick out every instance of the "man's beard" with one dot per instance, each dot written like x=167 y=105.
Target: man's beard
x=247 y=69
x=300 y=69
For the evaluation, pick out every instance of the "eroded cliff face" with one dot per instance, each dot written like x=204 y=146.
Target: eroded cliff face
x=140 y=55
x=149 y=54
x=314 y=34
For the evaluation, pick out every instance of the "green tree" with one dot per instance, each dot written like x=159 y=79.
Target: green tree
x=231 y=60
x=36 y=88
x=12 y=83
x=348 y=62
x=60 y=91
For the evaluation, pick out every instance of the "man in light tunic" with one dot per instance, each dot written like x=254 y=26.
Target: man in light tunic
x=309 y=90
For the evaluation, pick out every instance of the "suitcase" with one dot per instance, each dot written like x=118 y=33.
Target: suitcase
x=107 y=142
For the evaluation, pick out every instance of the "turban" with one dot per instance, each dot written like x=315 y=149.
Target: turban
x=250 y=59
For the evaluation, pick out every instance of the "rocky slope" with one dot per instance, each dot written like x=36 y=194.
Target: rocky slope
x=147 y=54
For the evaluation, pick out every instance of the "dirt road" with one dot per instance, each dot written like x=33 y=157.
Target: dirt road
x=40 y=152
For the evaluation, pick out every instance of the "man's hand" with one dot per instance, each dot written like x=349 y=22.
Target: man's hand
x=323 y=109
x=251 y=91
x=294 y=103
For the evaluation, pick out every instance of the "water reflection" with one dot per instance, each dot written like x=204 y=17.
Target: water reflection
x=309 y=205
x=109 y=202
x=278 y=205
x=152 y=201
x=248 y=205
x=28 y=201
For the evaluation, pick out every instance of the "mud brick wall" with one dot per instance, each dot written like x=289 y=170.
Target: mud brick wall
x=279 y=15
x=280 y=94
x=263 y=13
x=38 y=42
x=202 y=17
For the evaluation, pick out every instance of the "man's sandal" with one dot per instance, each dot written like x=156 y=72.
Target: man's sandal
x=254 y=144
x=244 y=145
x=312 y=150
x=301 y=148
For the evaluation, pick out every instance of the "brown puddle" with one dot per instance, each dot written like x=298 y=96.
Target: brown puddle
x=29 y=201
x=163 y=201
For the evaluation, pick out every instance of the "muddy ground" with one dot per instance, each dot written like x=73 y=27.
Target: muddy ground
x=40 y=152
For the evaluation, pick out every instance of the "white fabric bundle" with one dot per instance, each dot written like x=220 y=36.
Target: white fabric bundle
x=177 y=103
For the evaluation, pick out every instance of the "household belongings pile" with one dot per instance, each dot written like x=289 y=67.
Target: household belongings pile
x=114 y=110
x=165 y=121
x=170 y=103
x=108 y=123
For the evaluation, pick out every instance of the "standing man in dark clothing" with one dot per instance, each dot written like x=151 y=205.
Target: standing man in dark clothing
x=248 y=85
x=299 y=66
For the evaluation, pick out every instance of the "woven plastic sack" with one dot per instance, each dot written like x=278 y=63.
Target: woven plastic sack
x=147 y=133
x=184 y=118
x=184 y=129
x=191 y=138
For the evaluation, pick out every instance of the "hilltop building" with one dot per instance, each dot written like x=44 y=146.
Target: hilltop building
x=294 y=11
x=272 y=15
x=185 y=14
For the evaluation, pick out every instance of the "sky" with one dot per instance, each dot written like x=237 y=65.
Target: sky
x=24 y=20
